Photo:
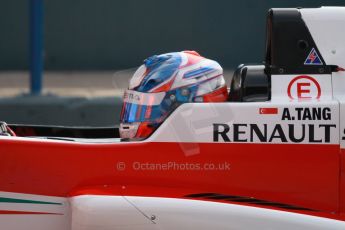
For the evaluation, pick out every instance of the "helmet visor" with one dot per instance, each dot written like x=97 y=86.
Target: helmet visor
x=142 y=107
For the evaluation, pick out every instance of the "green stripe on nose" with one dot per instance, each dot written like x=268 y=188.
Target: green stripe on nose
x=24 y=201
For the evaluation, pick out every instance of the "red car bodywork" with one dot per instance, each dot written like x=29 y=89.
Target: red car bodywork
x=306 y=178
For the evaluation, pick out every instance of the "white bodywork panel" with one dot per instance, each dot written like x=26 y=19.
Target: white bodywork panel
x=342 y=121
x=147 y=213
x=280 y=87
x=106 y=212
x=326 y=25
x=194 y=122
x=89 y=212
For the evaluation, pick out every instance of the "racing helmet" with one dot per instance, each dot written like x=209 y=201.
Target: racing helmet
x=163 y=83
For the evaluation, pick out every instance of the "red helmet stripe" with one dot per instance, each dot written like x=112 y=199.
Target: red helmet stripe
x=219 y=95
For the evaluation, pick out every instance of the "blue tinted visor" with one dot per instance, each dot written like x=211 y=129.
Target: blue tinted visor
x=141 y=113
x=142 y=107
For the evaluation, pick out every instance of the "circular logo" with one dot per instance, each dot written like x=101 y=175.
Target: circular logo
x=304 y=87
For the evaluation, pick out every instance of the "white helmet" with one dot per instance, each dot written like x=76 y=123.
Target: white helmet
x=163 y=83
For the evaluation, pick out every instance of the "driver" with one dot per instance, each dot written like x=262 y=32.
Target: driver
x=163 y=83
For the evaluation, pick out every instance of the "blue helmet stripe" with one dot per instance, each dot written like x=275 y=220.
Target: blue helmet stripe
x=198 y=72
x=160 y=69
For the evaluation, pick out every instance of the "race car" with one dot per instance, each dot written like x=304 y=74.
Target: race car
x=269 y=153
